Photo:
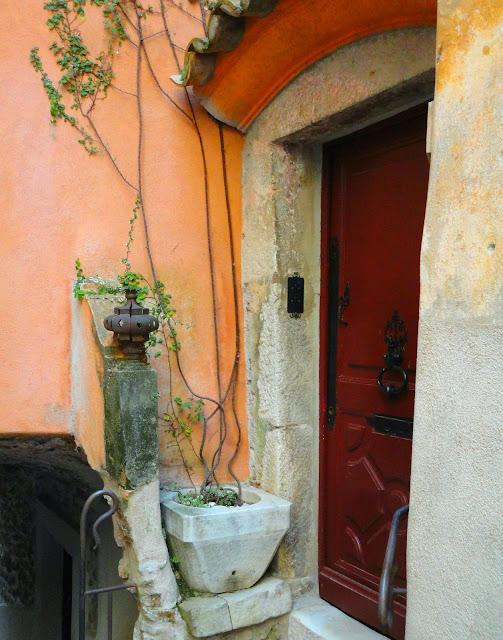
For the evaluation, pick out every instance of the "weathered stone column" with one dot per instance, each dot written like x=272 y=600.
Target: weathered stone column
x=131 y=446
x=117 y=402
x=131 y=439
x=455 y=544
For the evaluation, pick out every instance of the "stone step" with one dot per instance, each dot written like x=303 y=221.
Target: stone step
x=314 y=619
x=211 y=615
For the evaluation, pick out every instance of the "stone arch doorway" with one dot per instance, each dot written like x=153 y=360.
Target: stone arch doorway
x=357 y=85
x=295 y=34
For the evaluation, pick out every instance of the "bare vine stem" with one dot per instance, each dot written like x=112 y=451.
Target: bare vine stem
x=236 y=298
x=107 y=151
x=85 y=114
x=209 y=472
x=234 y=371
x=156 y=80
x=172 y=2
x=203 y=17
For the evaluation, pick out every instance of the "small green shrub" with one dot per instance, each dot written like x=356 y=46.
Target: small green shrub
x=218 y=496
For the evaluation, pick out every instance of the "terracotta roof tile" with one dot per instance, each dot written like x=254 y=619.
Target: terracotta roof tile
x=226 y=27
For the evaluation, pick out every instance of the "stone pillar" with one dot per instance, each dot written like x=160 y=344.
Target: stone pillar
x=131 y=432
x=455 y=544
x=127 y=392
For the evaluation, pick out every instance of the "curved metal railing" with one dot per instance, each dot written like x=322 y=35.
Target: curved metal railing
x=387 y=591
x=83 y=592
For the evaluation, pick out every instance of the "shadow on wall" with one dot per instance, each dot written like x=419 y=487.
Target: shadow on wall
x=40 y=505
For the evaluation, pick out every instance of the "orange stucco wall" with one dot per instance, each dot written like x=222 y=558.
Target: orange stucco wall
x=58 y=204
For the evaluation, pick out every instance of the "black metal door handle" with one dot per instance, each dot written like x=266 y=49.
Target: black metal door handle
x=395 y=334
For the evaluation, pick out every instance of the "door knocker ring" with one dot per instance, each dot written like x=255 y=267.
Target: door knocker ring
x=395 y=334
x=392 y=389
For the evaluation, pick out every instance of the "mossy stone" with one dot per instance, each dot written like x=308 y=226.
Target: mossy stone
x=131 y=433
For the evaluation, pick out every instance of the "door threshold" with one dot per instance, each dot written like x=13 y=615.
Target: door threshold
x=315 y=619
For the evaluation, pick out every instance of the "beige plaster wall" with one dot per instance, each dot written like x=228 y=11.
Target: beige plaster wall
x=455 y=544
x=355 y=86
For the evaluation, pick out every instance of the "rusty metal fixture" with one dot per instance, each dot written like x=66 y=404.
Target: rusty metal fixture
x=132 y=324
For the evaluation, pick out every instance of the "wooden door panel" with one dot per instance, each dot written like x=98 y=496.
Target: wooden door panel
x=381 y=266
x=372 y=488
x=376 y=185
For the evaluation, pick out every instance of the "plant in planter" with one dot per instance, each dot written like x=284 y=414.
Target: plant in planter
x=225 y=548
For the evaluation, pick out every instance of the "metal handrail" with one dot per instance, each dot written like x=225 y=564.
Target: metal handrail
x=84 y=593
x=386 y=589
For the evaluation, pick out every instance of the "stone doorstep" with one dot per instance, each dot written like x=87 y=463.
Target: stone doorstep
x=314 y=619
x=207 y=616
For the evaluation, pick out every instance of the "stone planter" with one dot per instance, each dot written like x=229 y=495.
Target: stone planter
x=224 y=549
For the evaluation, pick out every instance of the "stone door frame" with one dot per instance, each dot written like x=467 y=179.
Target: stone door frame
x=357 y=85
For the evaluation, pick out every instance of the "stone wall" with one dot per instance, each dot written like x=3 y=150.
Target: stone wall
x=17 y=540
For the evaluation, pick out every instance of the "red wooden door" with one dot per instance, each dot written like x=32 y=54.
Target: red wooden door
x=375 y=197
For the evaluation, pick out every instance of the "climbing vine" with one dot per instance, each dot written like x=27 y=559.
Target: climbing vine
x=84 y=81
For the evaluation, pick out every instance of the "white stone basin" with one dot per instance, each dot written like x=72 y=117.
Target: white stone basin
x=224 y=549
